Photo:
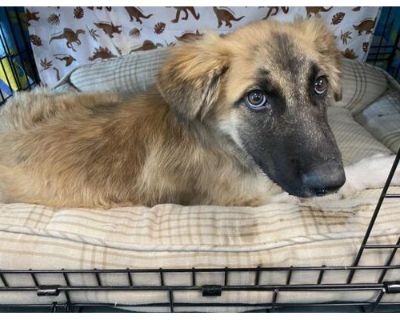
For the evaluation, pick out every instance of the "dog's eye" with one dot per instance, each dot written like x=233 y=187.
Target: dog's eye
x=320 y=85
x=256 y=100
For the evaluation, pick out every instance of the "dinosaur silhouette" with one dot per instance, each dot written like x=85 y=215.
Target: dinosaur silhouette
x=316 y=10
x=366 y=25
x=108 y=28
x=101 y=53
x=69 y=35
x=186 y=11
x=225 y=15
x=273 y=11
x=147 y=45
x=188 y=36
x=57 y=73
x=135 y=12
x=100 y=8
x=31 y=16
x=68 y=59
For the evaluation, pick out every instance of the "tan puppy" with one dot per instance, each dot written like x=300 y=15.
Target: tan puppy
x=230 y=119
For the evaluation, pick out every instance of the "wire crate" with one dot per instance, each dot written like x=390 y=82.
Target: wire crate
x=17 y=67
x=384 y=50
x=382 y=55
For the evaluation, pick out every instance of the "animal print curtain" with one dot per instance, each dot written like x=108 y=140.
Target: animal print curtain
x=65 y=37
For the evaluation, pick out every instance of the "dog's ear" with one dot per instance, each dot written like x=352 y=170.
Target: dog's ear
x=190 y=80
x=330 y=56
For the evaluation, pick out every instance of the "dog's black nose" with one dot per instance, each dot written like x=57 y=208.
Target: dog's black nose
x=326 y=178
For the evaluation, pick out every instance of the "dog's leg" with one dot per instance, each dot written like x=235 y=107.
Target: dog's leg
x=284 y=197
x=369 y=173
x=246 y=190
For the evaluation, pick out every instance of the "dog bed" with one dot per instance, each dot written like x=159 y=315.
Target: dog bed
x=311 y=233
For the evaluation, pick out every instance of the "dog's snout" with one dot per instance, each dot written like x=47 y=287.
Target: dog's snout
x=324 y=179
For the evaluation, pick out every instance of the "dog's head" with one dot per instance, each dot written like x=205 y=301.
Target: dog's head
x=267 y=87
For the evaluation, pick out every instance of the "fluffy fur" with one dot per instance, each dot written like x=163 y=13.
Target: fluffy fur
x=180 y=142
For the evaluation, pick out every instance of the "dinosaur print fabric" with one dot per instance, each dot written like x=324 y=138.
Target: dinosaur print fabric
x=63 y=38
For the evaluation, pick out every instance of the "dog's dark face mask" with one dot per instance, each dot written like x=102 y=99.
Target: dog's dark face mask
x=283 y=123
x=294 y=146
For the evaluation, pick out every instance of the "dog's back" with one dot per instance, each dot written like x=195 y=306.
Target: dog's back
x=52 y=145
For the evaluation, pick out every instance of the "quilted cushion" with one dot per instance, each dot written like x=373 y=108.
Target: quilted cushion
x=131 y=73
x=382 y=119
x=312 y=233
x=361 y=85
x=355 y=142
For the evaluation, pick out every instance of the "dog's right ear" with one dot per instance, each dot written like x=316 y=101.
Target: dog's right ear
x=190 y=80
x=330 y=56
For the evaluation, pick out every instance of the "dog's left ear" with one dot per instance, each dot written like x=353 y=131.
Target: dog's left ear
x=330 y=56
x=190 y=80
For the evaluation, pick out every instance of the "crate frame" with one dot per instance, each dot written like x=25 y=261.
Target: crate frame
x=381 y=53
x=378 y=53
x=22 y=51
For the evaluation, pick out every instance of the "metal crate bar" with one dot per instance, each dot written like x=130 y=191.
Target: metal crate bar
x=388 y=262
x=3 y=279
x=21 y=52
x=382 y=246
x=396 y=196
x=267 y=306
x=374 y=216
x=202 y=270
x=384 y=29
x=257 y=276
x=19 y=49
x=283 y=287
x=130 y=280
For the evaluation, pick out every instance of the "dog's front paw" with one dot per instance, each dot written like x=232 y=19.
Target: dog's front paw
x=371 y=172
x=284 y=197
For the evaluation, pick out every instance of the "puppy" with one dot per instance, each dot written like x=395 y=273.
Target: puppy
x=232 y=121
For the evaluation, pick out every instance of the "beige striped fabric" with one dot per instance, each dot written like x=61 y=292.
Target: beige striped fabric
x=382 y=119
x=136 y=72
x=361 y=85
x=312 y=233
x=355 y=142
x=131 y=73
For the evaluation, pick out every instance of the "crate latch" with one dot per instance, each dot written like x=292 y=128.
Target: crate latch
x=211 y=290
x=392 y=287
x=48 y=291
